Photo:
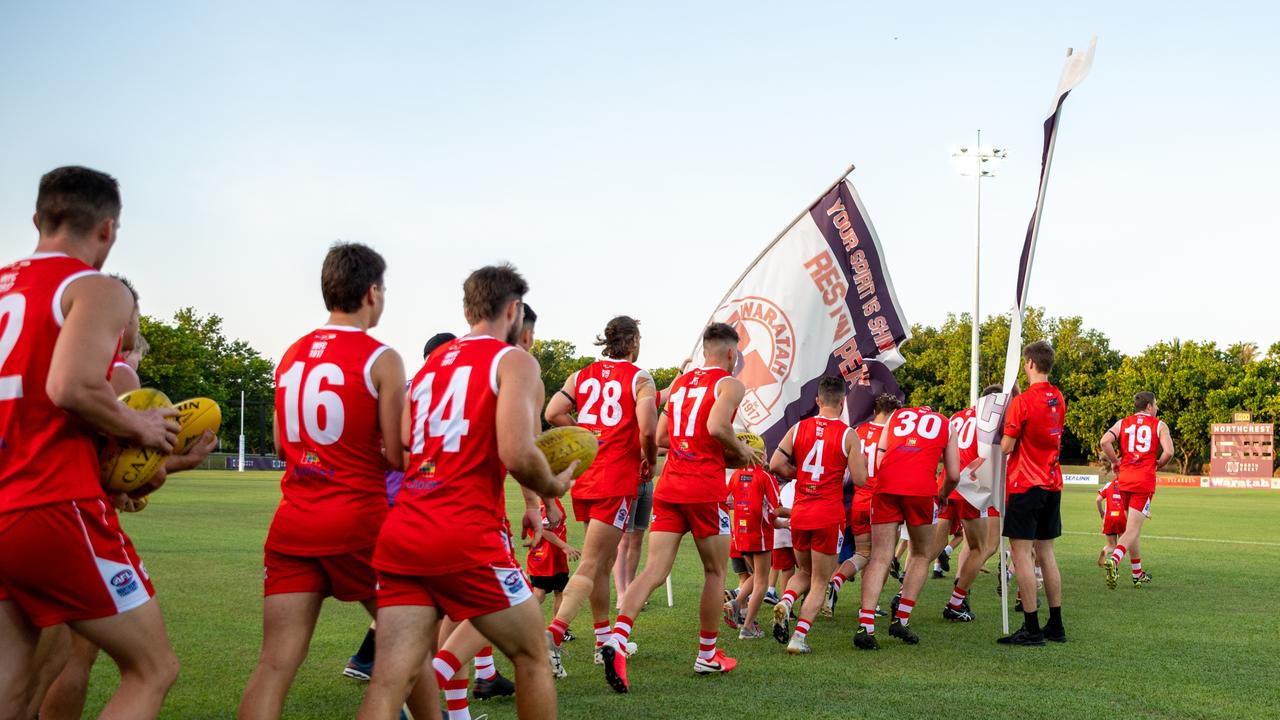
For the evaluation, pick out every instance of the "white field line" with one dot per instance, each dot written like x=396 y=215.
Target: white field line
x=1190 y=539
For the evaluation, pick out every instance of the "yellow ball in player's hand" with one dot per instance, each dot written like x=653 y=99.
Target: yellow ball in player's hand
x=563 y=445
x=126 y=468
x=753 y=441
x=195 y=416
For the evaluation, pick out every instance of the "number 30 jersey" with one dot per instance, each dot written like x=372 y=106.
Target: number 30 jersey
x=448 y=515
x=334 y=485
x=913 y=442
x=605 y=396
x=46 y=454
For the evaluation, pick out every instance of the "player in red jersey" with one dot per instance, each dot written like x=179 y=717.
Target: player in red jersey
x=1033 y=478
x=444 y=549
x=339 y=397
x=697 y=429
x=912 y=443
x=981 y=527
x=754 y=495
x=63 y=556
x=860 y=511
x=1112 y=510
x=1136 y=465
x=614 y=400
x=816 y=452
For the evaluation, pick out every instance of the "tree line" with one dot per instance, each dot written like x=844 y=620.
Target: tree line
x=1196 y=383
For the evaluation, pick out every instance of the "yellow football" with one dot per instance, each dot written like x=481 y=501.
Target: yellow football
x=194 y=417
x=124 y=467
x=753 y=441
x=133 y=505
x=563 y=445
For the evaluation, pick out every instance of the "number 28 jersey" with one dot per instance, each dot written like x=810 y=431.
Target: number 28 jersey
x=605 y=395
x=448 y=515
x=334 y=485
x=694 y=471
x=913 y=442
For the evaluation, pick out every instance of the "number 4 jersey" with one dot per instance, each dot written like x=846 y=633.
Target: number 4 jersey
x=606 y=400
x=334 y=487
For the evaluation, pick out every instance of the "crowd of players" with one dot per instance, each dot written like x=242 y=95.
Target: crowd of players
x=394 y=498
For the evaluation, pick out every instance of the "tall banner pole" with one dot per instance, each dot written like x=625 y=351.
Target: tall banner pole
x=240 y=461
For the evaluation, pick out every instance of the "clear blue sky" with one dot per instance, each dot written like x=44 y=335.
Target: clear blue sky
x=634 y=160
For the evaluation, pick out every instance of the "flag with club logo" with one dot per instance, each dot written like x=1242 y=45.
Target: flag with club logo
x=983 y=485
x=818 y=301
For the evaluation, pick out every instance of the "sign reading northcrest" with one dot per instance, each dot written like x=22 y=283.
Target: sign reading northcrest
x=818 y=301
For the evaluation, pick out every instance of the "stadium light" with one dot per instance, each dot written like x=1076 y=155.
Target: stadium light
x=977 y=162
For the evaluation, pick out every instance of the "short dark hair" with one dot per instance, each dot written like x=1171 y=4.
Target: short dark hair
x=349 y=270
x=887 y=403
x=992 y=390
x=1144 y=400
x=1040 y=354
x=830 y=390
x=620 y=335
x=436 y=341
x=488 y=290
x=76 y=198
x=129 y=286
x=720 y=333
x=530 y=317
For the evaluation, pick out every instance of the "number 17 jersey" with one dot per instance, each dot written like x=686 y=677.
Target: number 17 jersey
x=448 y=514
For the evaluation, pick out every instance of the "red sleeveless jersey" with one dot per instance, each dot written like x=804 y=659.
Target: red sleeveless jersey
x=1139 y=449
x=869 y=435
x=821 y=462
x=913 y=441
x=605 y=395
x=46 y=454
x=694 y=471
x=450 y=510
x=964 y=425
x=334 y=485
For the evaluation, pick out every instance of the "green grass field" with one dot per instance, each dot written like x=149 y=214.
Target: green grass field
x=1203 y=640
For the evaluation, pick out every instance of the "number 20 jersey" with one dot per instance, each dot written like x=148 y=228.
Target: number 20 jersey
x=448 y=514
x=334 y=485
x=605 y=397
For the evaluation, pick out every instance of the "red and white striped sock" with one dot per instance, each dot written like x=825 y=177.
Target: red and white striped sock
x=802 y=628
x=446 y=665
x=484 y=664
x=557 y=628
x=905 y=607
x=837 y=581
x=1118 y=554
x=788 y=599
x=603 y=631
x=958 y=594
x=867 y=619
x=455 y=700
x=622 y=630
x=1136 y=565
x=707 y=644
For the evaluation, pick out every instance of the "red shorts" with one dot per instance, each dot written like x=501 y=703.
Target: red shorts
x=1115 y=525
x=461 y=595
x=784 y=558
x=826 y=540
x=349 y=577
x=961 y=509
x=1137 y=501
x=860 y=520
x=70 y=561
x=613 y=511
x=703 y=520
x=914 y=510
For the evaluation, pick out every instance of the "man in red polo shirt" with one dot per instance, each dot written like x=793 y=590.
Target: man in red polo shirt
x=1032 y=439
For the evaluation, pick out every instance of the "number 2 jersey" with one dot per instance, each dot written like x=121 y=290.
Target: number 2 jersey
x=334 y=486
x=448 y=514
x=694 y=471
x=46 y=454
x=913 y=440
x=821 y=462
x=605 y=396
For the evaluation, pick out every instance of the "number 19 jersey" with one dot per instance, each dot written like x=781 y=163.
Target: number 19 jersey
x=334 y=485
x=448 y=514
x=1139 y=439
x=606 y=398
x=694 y=471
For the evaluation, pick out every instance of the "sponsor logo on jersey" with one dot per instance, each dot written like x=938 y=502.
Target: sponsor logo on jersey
x=766 y=352
x=124 y=582
x=7 y=281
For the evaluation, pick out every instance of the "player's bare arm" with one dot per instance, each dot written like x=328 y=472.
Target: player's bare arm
x=1166 y=446
x=1108 y=445
x=124 y=379
x=782 y=463
x=519 y=396
x=857 y=466
x=663 y=437
x=388 y=379
x=1101 y=506
x=97 y=308
x=951 y=466
x=560 y=407
x=647 y=418
x=720 y=423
